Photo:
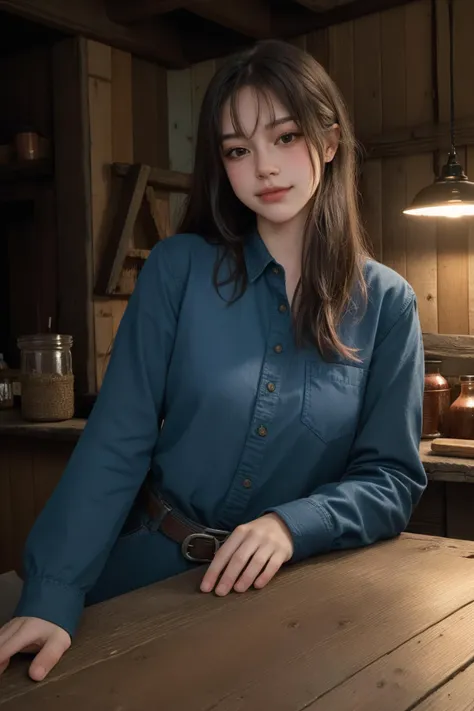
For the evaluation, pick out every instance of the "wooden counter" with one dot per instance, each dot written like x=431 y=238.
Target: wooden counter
x=389 y=627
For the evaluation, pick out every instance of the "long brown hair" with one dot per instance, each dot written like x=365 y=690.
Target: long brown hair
x=334 y=246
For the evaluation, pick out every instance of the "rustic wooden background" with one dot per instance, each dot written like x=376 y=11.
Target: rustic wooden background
x=392 y=78
x=101 y=105
x=395 y=81
x=127 y=100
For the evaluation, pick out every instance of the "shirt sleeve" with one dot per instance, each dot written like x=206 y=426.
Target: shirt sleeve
x=73 y=536
x=385 y=477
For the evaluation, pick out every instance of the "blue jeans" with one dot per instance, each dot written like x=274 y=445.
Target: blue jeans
x=141 y=556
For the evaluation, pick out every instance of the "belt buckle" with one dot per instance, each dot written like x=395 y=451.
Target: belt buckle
x=208 y=534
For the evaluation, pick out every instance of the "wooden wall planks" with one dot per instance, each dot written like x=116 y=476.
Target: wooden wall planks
x=453 y=236
x=128 y=115
x=383 y=64
x=29 y=471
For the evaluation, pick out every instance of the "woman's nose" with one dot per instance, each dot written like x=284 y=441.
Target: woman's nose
x=265 y=166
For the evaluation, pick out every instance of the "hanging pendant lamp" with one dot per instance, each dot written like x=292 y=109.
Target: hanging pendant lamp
x=452 y=194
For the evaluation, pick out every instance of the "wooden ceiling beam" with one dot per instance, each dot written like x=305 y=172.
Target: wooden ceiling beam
x=291 y=25
x=322 y=5
x=159 y=41
x=127 y=12
x=216 y=48
x=249 y=17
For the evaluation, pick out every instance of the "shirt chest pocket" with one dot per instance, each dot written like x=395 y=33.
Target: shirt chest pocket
x=333 y=395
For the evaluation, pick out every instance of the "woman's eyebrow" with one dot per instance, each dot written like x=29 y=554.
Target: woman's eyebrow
x=271 y=124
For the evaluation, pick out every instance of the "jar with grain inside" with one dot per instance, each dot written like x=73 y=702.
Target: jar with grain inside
x=47 y=380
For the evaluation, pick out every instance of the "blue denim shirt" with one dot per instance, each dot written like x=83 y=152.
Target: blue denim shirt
x=251 y=424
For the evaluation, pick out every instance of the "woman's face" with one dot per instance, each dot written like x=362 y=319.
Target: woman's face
x=269 y=167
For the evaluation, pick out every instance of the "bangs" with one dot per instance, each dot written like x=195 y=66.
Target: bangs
x=263 y=97
x=267 y=86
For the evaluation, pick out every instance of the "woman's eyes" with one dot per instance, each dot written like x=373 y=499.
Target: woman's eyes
x=235 y=152
x=290 y=137
x=285 y=139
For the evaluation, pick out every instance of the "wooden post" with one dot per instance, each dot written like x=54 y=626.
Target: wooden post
x=73 y=197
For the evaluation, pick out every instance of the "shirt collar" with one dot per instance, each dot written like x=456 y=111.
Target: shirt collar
x=257 y=256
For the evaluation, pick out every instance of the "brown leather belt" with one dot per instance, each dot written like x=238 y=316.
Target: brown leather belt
x=199 y=544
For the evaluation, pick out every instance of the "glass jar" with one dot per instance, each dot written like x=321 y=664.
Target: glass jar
x=47 y=380
x=6 y=386
x=436 y=400
x=460 y=418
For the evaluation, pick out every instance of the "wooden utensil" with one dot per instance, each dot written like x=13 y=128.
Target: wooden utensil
x=453 y=447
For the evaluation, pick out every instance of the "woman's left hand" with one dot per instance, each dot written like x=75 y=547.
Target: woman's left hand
x=258 y=548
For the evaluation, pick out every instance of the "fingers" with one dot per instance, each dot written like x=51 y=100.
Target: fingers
x=259 y=560
x=22 y=635
x=48 y=657
x=222 y=558
x=271 y=569
x=9 y=630
x=12 y=640
x=252 y=554
x=249 y=550
x=31 y=649
x=6 y=633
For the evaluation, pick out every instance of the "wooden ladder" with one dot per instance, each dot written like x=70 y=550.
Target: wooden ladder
x=139 y=182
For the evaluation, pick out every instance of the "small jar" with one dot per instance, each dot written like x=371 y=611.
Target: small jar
x=460 y=418
x=6 y=386
x=47 y=380
x=436 y=400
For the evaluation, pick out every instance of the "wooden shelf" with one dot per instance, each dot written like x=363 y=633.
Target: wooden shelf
x=26 y=170
x=11 y=423
x=445 y=468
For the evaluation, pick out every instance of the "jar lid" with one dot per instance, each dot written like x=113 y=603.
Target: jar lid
x=433 y=361
x=39 y=341
x=466 y=378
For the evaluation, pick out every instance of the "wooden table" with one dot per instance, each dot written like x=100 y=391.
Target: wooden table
x=388 y=627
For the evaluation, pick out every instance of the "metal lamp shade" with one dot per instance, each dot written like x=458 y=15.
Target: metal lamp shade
x=452 y=195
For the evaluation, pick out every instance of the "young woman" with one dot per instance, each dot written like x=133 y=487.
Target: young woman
x=263 y=400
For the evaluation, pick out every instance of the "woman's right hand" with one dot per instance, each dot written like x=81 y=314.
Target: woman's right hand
x=30 y=634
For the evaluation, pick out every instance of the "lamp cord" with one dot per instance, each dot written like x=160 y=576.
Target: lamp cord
x=451 y=72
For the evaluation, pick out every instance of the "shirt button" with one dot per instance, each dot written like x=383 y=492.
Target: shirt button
x=271 y=387
x=283 y=308
x=275 y=270
x=278 y=348
x=262 y=431
x=247 y=484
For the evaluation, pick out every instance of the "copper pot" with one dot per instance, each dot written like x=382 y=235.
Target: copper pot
x=460 y=418
x=436 y=400
x=27 y=145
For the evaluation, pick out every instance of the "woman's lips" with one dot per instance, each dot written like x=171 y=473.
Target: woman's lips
x=273 y=195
